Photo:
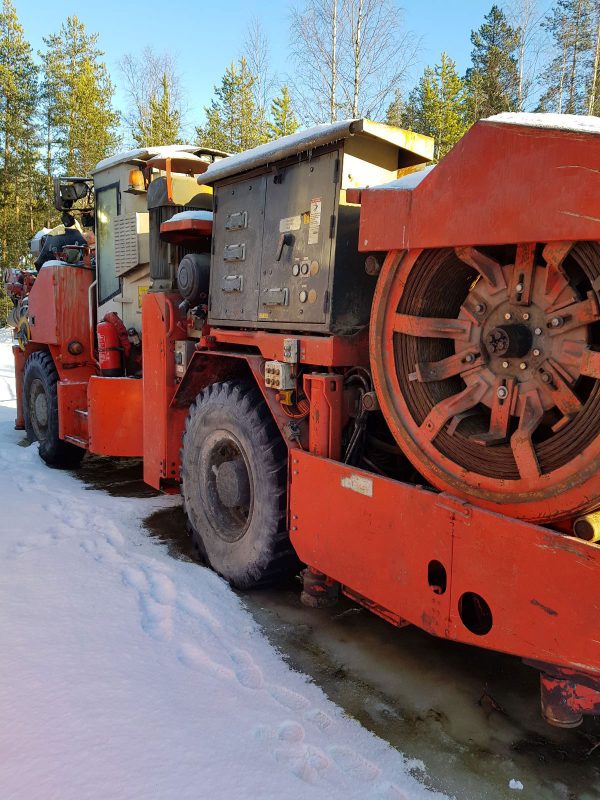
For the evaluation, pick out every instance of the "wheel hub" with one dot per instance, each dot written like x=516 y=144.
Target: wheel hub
x=233 y=483
x=509 y=340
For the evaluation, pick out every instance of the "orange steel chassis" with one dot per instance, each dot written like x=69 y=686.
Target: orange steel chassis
x=375 y=538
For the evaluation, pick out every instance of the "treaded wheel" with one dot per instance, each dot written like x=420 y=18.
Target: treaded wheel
x=40 y=408
x=234 y=485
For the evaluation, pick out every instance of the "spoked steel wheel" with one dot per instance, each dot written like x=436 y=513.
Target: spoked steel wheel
x=486 y=362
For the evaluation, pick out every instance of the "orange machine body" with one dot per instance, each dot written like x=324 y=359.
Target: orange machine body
x=413 y=555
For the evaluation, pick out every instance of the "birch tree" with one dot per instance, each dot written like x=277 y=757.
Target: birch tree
x=156 y=108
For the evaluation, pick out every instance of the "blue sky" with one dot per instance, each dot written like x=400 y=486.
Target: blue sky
x=206 y=36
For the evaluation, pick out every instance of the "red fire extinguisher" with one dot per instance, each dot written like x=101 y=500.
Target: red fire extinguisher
x=110 y=355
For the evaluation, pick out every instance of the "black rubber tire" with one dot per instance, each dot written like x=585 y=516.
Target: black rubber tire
x=41 y=418
x=248 y=545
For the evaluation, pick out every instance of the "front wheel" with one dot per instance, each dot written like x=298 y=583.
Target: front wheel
x=40 y=407
x=234 y=485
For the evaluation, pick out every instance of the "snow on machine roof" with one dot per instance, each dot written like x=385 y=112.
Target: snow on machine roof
x=146 y=153
x=421 y=147
x=577 y=123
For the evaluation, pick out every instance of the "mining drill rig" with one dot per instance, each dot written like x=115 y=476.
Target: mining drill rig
x=385 y=372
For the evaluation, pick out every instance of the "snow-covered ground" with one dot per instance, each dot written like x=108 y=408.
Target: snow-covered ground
x=127 y=674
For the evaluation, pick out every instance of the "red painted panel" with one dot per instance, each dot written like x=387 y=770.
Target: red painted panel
x=378 y=536
x=500 y=184
x=115 y=416
x=162 y=325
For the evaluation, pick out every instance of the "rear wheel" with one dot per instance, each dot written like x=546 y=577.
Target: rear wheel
x=234 y=485
x=40 y=407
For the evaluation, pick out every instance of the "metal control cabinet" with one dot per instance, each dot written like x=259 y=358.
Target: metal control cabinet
x=275 y=239
x=285 y=239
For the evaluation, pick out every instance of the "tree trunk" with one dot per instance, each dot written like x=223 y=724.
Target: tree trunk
x=595 y=69
x=332 y=103
x=356 y=44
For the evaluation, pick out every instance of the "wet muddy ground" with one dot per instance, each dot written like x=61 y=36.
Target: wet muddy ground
x=471 y=716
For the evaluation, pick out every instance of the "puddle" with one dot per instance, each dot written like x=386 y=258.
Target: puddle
x=120 y=477
x=470 y=716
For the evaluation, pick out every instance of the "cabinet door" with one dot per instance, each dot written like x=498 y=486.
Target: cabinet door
x=237 y=250
x=297 y=243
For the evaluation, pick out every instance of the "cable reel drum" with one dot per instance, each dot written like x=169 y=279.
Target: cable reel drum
x=487 y=368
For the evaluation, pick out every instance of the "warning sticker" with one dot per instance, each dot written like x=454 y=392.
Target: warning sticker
x=315 y=220
x=289 y=224
x=358 y=483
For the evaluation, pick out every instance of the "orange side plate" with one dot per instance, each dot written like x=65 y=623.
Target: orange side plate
x=431 y=559
x=115 y=416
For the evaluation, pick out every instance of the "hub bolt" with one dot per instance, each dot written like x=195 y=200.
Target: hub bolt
x=502 y=393
x=556 y=322
x=522 y=365
x=519 y=287
x=538 y=331
x=480 y=308
x=536 y=352
x=545 y=377
x=469 y=358
x=508 y=315
x=505 y=364
x=526 y=316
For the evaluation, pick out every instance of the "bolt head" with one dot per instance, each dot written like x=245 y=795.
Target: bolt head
x=480 y=308
x=526 y=316
x=469 y=358
x=522 y=365
x=545 y=377
x=556 y=322
x=502 y=392
x=508 y=315
x=505 y=364
x=536 y=352
x=519 y=287
x=538 y=331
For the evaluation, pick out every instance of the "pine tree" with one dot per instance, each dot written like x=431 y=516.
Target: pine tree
x=568 y=78
x=284 y=121
x=21 y=208
x=438 y=106
x=396 y=111
x=493 y=78
x=162 y=123
x=232 y=122
x=80 y=123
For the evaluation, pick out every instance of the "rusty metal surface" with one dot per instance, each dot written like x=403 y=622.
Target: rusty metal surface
x=435 y=404
x=393 y=542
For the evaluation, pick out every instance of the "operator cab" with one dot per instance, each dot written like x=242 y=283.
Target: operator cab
x=135 y=192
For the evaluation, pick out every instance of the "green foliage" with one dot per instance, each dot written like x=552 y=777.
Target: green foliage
x=80 y=122
x=568 y=78
x=437 y=106
x=162 y=125
x=493 y=78
x=21 y=204
x=232 y=119
x=284 y=121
